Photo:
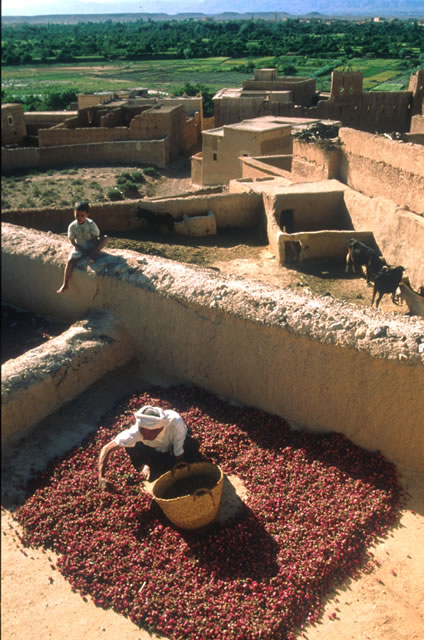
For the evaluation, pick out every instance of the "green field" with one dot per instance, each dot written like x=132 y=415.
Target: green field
x=168 y=75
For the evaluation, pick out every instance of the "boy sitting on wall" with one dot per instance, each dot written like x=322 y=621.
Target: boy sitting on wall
x=84 y=235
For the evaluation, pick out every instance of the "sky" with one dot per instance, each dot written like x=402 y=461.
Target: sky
x=54 y=7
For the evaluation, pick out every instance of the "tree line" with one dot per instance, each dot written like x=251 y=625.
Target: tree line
x=148 y=39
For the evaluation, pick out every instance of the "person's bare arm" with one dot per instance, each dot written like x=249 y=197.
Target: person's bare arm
x=103 y=457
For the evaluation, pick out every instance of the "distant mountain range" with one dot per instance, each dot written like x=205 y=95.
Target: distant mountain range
x=226 y=10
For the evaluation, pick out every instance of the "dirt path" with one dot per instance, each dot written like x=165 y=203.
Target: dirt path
x=386 y=604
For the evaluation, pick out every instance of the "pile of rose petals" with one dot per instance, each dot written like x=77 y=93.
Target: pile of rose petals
x=315 y=502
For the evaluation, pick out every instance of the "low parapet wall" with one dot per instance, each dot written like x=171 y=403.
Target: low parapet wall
x=230 y=210
x=264 y=166
x=43 y=379
x=319 y=363
x=312 y=245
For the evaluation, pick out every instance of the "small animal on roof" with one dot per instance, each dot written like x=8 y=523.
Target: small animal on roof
x=387 y=281
x=360 y=254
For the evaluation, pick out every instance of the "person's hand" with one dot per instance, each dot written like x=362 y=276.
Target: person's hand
x=105 y=485
x=145 y=472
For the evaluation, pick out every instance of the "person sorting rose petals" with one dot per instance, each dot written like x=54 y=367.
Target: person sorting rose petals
x=158 y=440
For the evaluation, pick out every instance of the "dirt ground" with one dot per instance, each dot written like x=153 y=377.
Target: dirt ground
x=386 y=604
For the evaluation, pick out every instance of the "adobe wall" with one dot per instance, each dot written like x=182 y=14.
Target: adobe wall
x=345 y=85
x=197 y=169
x=229 y=209
x=36 y=120
x=112 y=118
x=191 y=133
x=302 y=89
x=21 y=158
x=222 y=151
x=208 y=123
x=399 y=233
x=316 y=206
x=64 y=136
x=313 y=245
x=92 y=100
x=154 y=124
x=43 y=379
x=319 y=363
x=155 y=152
x=13 y=128
x=417 y=124
x=378 y=111
x=377 y=166
x=416 y=86
x=312 y=162
x=264 y=166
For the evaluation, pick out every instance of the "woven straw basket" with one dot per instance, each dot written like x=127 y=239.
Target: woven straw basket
x=194 y=510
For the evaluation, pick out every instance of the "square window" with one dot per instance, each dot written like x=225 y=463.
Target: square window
x=10 y=121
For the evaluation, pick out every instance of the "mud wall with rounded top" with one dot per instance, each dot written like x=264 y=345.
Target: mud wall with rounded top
x=43 y=379
x=323 y=364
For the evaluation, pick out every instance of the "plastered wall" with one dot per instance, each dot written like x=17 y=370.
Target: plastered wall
x=268 y=359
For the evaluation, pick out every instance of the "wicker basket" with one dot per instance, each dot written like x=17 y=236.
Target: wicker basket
x=194 y=510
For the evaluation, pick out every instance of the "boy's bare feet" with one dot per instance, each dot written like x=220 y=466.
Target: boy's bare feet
x=62 y=288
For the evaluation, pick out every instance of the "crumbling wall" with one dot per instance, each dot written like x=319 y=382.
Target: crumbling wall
x=112 y=118
x=319 y=363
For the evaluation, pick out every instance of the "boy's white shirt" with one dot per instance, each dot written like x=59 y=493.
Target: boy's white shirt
x=170 y=439
x=84 y=233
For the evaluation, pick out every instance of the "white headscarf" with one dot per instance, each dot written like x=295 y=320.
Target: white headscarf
x=147 y=421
